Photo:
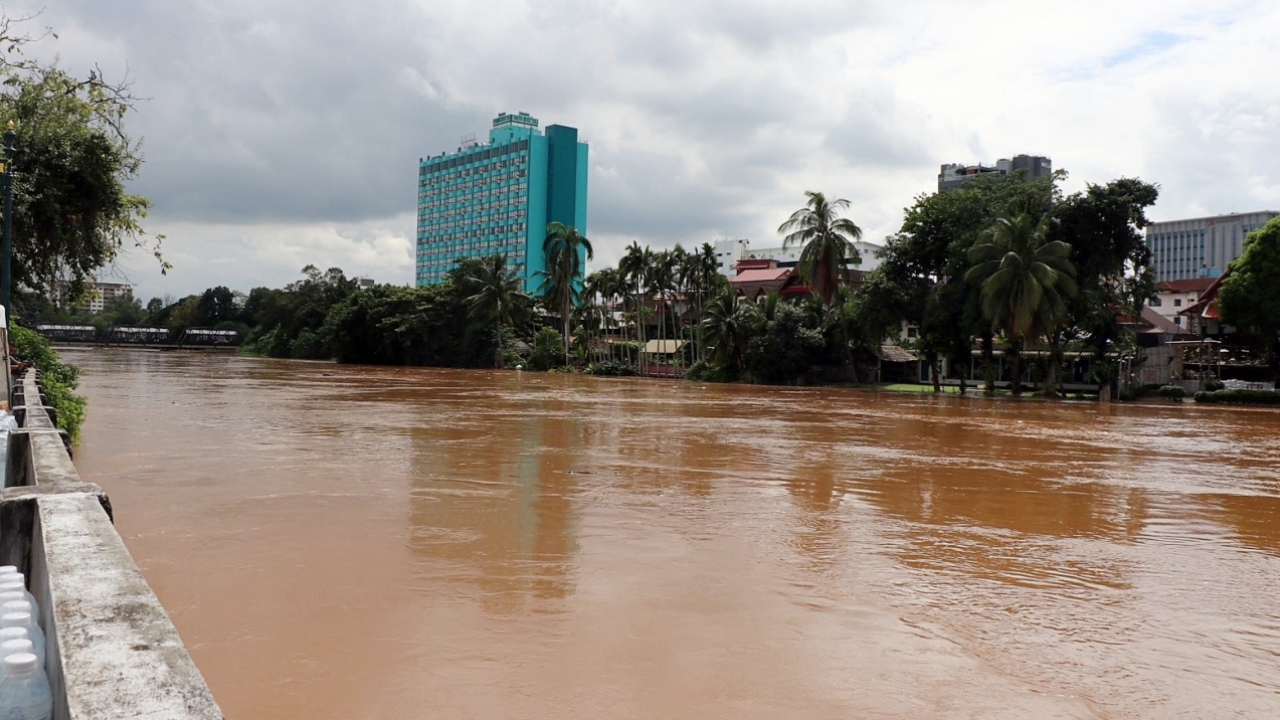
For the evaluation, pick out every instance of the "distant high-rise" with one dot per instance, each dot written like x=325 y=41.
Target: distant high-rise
x=1200 y=247
x=498 y=198
x=953 y=176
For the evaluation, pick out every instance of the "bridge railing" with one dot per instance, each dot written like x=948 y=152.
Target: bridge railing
x=112 y=651
x=134 y=335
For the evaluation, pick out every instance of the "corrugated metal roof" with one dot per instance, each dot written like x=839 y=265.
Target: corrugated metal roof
x=895 y=354
x=765 y=275
x=663 y=347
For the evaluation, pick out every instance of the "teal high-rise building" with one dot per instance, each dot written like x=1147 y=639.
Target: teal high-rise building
x=498 y=198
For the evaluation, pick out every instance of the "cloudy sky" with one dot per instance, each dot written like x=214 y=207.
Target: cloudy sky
x=285 y=132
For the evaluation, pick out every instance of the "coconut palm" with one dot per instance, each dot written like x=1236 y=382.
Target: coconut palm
x=727 y=324
x=493 y=296
x=826 y=240
x=564 y=249
x=1025 y=280
x=634 y=268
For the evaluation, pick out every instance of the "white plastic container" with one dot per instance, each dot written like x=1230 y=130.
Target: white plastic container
x=10 y=647
x=13 y=582
x=34 y=633
x=11 y=595
x=24 y=689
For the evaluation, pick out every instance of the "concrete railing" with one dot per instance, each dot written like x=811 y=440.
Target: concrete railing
x=113 y=653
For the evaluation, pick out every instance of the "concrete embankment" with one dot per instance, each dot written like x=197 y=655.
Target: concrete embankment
x=113 y=652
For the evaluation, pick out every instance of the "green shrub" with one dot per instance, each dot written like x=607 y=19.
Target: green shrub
x=548 y=350
x=703 y=371
x=1214 y=386
x=1173 y=392
x=610 y=368
x=58 y=378
x=1240 y=397
x=1141 y=391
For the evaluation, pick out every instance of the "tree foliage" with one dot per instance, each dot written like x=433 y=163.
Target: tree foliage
x=1250 y=296
x=826 y=241
x=494 y=297
x=72 y=212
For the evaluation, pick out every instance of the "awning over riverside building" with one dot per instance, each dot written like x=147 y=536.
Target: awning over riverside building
x=895 y=354
x=663 y=347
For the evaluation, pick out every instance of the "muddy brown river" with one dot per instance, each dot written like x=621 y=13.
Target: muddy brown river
x=351 y=542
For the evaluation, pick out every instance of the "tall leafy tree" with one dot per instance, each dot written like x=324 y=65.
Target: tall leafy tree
x=1103 y=225
x=827 y=242
x=72 y=212
x=1250 y=296
x=566 y=251
x=492 y=296
x=1024 y=278
x=924 y=264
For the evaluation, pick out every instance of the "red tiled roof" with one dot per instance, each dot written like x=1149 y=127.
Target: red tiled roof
x=765 y=275
x=1190 y=285
x=1207 y=307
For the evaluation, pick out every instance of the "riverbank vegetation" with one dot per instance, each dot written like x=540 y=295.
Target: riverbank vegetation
x=59 y=379
x=1003 y=264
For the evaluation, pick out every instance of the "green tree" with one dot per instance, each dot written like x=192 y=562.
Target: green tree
x=566 y=252
x=725 y=326
x=546 y=349
x=827 y=241
x=634 y=268
x=921 y=275
x=1250 y=296
x=492 y=297
x=216 y=305
x=72 y=212
x=1103 y=225
x=784 y=343
x=1024 y=278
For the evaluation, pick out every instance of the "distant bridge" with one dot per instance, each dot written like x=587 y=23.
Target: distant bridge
x=144 y=336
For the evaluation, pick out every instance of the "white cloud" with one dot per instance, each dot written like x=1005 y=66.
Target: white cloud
x=242 y=257
x=278 y=132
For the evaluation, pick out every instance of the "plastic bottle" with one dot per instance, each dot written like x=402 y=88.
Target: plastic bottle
x=17 y=645
x=12 y=595
x=34 y=633
x=8 y=584
x=24 y=689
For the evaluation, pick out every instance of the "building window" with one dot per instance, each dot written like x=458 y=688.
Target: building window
x=1177 y=302
x=1178 y=321
x=1155 y=302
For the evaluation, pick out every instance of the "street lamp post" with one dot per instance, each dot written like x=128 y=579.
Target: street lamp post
x=6 y=285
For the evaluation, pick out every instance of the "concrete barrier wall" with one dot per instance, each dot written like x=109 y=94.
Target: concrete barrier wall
x=113 y=651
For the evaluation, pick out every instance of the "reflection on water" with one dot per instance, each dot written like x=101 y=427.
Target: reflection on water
x=388 y=543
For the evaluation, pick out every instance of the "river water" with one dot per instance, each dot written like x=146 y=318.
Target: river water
x=351 y=542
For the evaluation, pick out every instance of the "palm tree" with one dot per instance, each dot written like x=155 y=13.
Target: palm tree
x=723 y=331
x=634 y=268
x=564 y=249
x=494 y=295
x=827 y=241
x=1024 y=280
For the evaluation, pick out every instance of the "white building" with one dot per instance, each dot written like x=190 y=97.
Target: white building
x=1200 y=247
x=1174 y=296
x=732 y=251
x=100 y=294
